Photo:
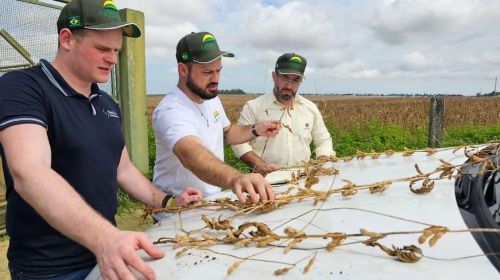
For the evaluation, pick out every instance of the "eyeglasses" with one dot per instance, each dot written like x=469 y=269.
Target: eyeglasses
x=287 y=79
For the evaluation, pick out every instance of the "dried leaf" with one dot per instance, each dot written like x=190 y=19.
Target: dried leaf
x=292 y=244
x=389 y=153
x=282 y=271
x=234 y=267
x=182 y=251
x=309 y=264
x=430 y=151
x=244 y=242
x=408 y=254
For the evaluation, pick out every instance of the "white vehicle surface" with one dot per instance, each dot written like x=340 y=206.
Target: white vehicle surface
x=456 y=255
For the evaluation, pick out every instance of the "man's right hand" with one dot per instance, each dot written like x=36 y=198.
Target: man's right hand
x=264 y=168
x=116 y=255
x=255 y=185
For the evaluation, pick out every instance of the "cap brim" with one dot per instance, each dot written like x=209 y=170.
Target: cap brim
x=213 y=56
x=129 y=29
x=290 y=72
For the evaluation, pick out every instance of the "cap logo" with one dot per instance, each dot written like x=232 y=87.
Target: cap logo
x=208 y=38
x=209 y=42
x=74 y=21
x=296 y=59
x=110 y=11
x=185 y=56
x=110 y=5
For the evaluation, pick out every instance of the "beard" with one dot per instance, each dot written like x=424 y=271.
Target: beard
x=204 y=94
x=284 y=94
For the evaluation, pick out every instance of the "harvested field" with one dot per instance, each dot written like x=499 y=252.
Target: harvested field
x=345 y=112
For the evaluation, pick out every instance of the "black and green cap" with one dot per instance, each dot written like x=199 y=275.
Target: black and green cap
x=291 y=63
x=95 y=15
x=200 y=47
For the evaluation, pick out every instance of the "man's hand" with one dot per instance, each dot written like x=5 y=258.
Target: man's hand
x=255 y=185
x=269 y=128
x=188 y=196
x=323 y=157
x=116 y=255
x=264 y=168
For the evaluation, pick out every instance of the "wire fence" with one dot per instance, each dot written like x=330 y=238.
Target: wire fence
x=28 y=30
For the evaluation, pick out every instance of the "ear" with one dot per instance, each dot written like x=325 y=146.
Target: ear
x=65 y=38
x=183 y=70
x=274 y=76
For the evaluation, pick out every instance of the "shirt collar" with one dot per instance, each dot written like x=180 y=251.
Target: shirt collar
x=60 y=83
x=271 y=100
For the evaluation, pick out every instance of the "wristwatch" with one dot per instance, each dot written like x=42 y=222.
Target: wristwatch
x=165 y=202
x=254 y=131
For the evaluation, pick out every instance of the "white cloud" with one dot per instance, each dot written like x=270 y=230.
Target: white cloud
x=441 y=45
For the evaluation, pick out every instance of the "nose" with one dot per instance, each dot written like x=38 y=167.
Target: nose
x=112 y=57
x=214 y=78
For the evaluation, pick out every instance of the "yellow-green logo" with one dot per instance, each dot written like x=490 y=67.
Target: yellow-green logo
x=296 y=59
x=74 y=21
x=109 y=4
x=216 y=115
x=208 y=38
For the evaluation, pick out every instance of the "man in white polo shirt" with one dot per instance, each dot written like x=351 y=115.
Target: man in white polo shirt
x=301 y=118
x=191 y=127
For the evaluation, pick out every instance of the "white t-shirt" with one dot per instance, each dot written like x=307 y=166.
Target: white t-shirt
x=176 y=117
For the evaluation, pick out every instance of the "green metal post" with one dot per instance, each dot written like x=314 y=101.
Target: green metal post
x=132 y=91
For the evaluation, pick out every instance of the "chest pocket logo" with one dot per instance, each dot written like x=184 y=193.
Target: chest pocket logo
x=216 y=116
x=110 y=114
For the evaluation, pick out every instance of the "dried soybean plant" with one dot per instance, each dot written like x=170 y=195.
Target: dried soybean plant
x=259 y=235
x=312 y=170
x=221 y=230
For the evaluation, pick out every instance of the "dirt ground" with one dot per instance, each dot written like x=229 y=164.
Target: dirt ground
x=126 y=221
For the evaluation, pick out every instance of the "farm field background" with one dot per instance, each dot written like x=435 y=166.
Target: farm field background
x=375 y=123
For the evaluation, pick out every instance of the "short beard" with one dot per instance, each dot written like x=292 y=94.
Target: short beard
x=204 y=94
x=282 y=97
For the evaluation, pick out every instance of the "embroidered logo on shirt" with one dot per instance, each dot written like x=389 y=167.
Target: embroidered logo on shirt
x=307 y=125
x=110 y=113
x=216 y=115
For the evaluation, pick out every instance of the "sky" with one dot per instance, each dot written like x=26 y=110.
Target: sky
x=365 y=46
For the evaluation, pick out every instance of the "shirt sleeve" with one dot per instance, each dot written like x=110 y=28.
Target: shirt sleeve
x=247 y=117
x=21 y=101
x=321 y=136
x=172 y=124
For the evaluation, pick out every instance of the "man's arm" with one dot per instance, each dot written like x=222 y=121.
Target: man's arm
x=135 y=184
x=258 y=164
x=28 y=155
x=206 y=166
x=321 y=138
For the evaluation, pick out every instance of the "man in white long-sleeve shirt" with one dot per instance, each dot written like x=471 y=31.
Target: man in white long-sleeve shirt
x=302 y=122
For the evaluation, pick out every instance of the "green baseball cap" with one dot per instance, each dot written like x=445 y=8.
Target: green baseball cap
x=95 y=15
x=291 y=64
x=200 y=47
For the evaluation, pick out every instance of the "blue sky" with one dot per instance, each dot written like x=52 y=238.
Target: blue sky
x=374 y=46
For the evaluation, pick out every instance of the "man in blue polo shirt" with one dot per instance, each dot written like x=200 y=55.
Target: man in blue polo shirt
x=64 y=157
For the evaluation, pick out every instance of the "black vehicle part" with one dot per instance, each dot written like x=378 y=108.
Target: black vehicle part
x=478 y=197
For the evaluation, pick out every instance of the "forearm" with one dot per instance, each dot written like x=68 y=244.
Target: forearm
x=139 y=187
x=203 y=163
x=238 y=134
x=252 y=159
